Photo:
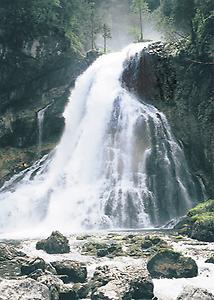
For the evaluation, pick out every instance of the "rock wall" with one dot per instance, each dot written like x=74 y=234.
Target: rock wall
x=34 y=76
x=164 y=76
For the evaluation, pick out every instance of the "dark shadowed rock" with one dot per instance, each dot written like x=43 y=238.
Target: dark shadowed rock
x=170 y=264
x=193 y=293
x=56 y=243
x=210 y=260
x=33 y=265
x=75 y=271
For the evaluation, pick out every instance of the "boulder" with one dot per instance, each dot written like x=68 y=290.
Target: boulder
x=190 y=293
x=82 y=290
x=101 y=249
x=171 y=264
x=53 y=283
x=199 y=222
x=11 y=260
x=68 y=293
x=126 y=283
x=9 y=252
x=32 y=265
x=75 y=271
x=56 y=243
x=23 y=289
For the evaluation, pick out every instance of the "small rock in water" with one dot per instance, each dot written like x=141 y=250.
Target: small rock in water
x=171 y=264
x=56 y=243
x=210 y=260
x=193 y=293
x=75 y=271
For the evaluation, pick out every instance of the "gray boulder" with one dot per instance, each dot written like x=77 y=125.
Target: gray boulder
x=193 y=293
x=56 y=243
x=23 y=289
x=32 y=265
x=121 y=284
x=75 y=271
x=11 y=260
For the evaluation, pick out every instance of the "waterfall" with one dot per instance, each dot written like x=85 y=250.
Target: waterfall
x=117 y=164
x=40 y=121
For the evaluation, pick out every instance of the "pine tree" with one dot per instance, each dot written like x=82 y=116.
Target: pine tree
x=106 y=35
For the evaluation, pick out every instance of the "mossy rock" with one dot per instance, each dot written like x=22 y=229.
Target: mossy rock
x=102 y=249
x=203 y=207
x=141 y=246
x=170 y=264
x=199 y=222
x=203 y=227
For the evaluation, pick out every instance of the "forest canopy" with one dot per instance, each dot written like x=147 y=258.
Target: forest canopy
x=81 y=21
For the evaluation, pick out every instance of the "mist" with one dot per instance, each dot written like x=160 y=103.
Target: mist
x=122 y=21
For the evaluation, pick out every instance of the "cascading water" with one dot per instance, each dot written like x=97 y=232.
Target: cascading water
x=117 y=164
x=40 y=121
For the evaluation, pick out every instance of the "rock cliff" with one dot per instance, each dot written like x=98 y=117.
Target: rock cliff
x=180 y=87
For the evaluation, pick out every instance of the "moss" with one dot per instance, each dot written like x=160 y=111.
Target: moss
x=206 y=206
x=101 y=249
x=203 y=217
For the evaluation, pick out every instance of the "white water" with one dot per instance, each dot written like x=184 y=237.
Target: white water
x=102 y=173
x=164 y=288
x=40 y=121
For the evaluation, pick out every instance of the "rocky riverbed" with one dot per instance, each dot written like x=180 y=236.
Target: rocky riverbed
x=109 y=265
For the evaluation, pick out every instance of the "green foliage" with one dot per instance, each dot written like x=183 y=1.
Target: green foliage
x=25 y=20
x=203 y=207
x=189 y=19
x=141 y=8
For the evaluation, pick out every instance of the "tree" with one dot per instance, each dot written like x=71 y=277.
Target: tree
x=141 y=8
x=106 y=35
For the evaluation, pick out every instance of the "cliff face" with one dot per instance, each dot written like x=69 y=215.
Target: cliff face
x=35 y=75
x=182 y=89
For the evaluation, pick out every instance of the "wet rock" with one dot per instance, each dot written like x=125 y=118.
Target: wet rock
x=170 y=264
x=68 y=293
x=127 y=283
x=82 y=289
x=33 y=265
x=75 y=271
x=53 y=283
x=150 y=241
x=23 y=289
x=56 y=243
x=143 y=246
x=210 y=260
x=199 y=222
x=11 y=260
x=190 y=293
x=9 y=252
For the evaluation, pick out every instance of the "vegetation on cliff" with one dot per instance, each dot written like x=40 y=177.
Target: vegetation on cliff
x=199 y=222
